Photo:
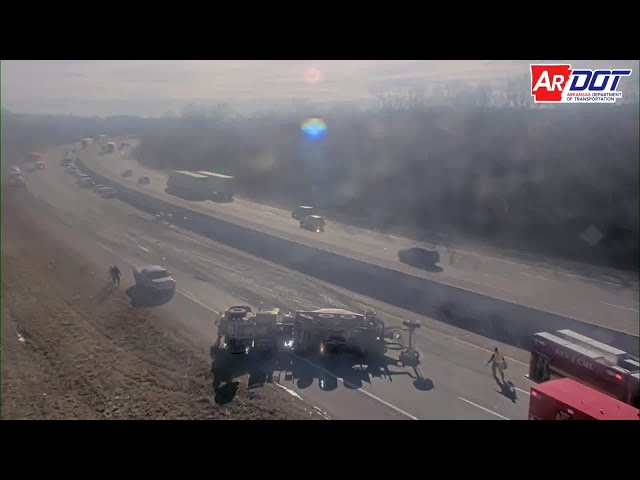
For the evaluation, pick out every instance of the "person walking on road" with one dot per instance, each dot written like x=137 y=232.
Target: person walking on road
x=114 y=271
x=498 y=363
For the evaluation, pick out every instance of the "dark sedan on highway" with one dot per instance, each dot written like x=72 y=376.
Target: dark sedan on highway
x=419 y=257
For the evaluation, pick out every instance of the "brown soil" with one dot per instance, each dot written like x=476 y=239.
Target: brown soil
x=69 y=353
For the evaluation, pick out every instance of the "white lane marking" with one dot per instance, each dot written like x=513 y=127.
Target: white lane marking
x=378 y=399
x=191 y=297
x=588 y=279
x=451 y=337
x=572 y=275
x=324 y=414
x=523 y=391
x=384 y=402
x=495 y=276
x=534 y=276
x=293 y=393
x=483 y=408
x=371 y=395
x=129 y=262
x=620 y=306
x=106 y=248
x=499 y=259
x=485 y=284
x=143 y=248
x=463 y=251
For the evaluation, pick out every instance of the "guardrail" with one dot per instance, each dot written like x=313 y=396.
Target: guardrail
x=490 y=317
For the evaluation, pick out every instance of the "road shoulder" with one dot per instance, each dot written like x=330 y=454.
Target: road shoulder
x=72 y=349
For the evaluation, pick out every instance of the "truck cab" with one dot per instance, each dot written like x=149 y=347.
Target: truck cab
x=314 y=223
x=303 y=211
x=567 y=354
x=567 y=399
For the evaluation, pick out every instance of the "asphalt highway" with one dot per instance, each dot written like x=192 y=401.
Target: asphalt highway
x=452 y=382
x=591 y=294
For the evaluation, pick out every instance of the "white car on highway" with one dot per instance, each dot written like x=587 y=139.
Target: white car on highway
x=154 y=277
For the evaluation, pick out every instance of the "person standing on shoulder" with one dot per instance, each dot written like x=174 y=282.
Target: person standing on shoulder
x=497 y=362
x=114 y=271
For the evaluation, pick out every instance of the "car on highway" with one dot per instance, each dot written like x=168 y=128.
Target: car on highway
x=14 y=169
x=144 y=180
x=40 y=165
x=17 y=180
x=303 y=211
x=85 y=182
x=155 y=278
x=314 y=223
x=419 y=257
x=99 y=187
x=127 y=173
x=108 y=192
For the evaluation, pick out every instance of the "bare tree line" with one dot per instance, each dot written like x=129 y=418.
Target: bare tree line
x=478 y=160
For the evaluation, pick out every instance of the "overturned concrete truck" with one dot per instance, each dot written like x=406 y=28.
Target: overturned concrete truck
x=305 y=332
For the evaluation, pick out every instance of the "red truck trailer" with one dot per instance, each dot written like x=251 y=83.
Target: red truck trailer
x=567 y=354
x=567 y=399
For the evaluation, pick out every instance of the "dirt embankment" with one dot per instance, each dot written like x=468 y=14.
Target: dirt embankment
x=73 y=350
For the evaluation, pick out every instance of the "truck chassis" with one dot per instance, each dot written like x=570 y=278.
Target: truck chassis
x=324 y=331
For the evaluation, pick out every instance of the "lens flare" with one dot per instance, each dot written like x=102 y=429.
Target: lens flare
x=312 y=75
x=314 y=128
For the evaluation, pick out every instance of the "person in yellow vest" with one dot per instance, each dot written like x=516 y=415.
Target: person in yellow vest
x=498 y=363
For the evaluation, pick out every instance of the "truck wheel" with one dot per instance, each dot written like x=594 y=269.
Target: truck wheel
x=411 y=323
x=410 y=358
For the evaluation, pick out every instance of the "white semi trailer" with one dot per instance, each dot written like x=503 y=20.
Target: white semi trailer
x=223 y=187
x=189 y=185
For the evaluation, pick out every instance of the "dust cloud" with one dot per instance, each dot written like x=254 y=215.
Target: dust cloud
x=474 y=161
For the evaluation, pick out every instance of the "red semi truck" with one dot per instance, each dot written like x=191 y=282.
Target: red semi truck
x=567 y=399
x=567 y=354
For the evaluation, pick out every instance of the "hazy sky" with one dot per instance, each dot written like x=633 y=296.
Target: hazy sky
x=152 y=87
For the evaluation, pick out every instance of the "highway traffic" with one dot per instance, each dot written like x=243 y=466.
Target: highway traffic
x=590 y=294
x=452 y=382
